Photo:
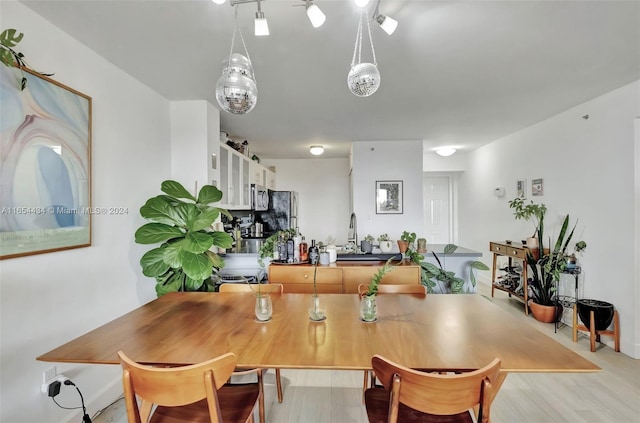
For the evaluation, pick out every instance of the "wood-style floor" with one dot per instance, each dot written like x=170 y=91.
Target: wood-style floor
x=609 y=396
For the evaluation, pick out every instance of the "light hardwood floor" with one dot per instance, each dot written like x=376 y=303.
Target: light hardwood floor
x=612 y=395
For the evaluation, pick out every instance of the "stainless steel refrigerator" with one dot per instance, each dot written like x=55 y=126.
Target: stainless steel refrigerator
x=282 y=213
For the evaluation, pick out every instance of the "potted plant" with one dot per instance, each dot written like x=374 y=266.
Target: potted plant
x=406 y=239
x=546 y=271
x=368 y=308
x=448 y=282
x=367 y=244
x=572 y=261
x=533 y=212
x=385 y=243
x=182 y=224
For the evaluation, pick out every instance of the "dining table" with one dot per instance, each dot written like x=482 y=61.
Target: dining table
x=439 y=332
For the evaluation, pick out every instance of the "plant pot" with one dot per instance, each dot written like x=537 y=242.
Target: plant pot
x=603 y=313
x=386 y=246
x=545 y=314
x=403 y=246
x=368 y=308
x=366 y=246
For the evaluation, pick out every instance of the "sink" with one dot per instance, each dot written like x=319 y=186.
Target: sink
x=368 y=257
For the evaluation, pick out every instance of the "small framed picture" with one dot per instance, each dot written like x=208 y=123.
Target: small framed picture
x=521 y=188
x=389 y=197
x=536 y=187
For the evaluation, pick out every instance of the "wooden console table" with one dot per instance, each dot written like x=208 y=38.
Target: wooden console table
x=512 y=251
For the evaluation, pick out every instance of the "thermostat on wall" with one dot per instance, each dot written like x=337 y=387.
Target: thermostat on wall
x=499 y=192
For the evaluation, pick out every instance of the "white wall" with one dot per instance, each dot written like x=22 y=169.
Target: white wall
x=588 y=170
x=51 y=298
x=323 y=195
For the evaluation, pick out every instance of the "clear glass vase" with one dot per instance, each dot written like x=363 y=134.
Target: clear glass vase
x=317 y=309
x=368 y=308
x=264 y=308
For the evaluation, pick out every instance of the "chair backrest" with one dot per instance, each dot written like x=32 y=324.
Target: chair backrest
x=270 y=288
x=174 y=386
x=385 y=288
x=437 y=393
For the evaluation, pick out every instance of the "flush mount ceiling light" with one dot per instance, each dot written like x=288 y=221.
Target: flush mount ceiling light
x=445 y=151
x=316 y=150
x=316 y=17
x=261 y=25
x=218 y=1
x=388 y=24
x=361 y=3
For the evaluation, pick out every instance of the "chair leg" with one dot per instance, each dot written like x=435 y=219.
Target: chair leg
x=364 y=383
x=279 y=385
x=592 y=330
x=261 y=398
x=616 y=330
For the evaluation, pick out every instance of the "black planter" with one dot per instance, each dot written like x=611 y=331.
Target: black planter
x=603 y=313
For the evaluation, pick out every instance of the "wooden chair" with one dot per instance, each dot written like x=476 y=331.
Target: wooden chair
x=412 y=395
x=384 y=288
x=188 y=393
x=275 y=288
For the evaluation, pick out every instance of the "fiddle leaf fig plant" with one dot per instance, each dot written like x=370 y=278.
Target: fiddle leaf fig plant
x=182 y=224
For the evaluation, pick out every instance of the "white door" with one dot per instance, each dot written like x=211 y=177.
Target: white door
x=437 y=209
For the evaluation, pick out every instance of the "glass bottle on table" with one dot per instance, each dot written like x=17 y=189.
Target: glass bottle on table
x=304 y=250
x=314 y=252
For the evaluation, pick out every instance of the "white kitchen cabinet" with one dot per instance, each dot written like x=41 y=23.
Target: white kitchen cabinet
x=260 y=175
x=270 y=179
x=235 y=180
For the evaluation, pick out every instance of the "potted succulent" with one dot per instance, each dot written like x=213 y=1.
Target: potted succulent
x=182 y=224
x=532 y=212
x=385 y=243
x=367 y=244
x=546 y=271
x=368 y=308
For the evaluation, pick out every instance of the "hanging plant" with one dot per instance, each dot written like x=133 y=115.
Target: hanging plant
x=9 y=38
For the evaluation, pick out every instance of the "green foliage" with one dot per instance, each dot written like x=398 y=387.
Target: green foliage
x=375 y=280
x=266 y=250
x=433 y=275
x=531 y=211
x=410 y=237
x=546 y=270
x=384 y=237
x=182 y=225
x=369 y=238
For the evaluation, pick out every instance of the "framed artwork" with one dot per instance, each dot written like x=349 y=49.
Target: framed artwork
x=389 y=197
x=521 y=188
x=536 y=187
x=45 y=165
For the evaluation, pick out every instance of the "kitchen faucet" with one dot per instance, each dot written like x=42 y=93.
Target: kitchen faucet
x=353 y=230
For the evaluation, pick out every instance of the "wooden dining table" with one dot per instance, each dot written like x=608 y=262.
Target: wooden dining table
x=428 y=332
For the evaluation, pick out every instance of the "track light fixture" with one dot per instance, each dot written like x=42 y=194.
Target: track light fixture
x=314 y=13
x=387 y=23
x=261 y=25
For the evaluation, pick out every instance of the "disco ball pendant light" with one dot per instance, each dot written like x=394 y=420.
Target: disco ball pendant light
x=363 y=78
x=236 y=90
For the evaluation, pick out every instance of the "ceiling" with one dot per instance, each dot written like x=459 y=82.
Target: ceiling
x=459 y=73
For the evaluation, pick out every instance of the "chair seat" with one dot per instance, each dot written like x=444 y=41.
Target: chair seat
x=377 y=403
x=238 y=401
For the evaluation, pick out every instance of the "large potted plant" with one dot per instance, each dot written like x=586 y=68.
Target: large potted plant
x=546 y=271
x=182 y=224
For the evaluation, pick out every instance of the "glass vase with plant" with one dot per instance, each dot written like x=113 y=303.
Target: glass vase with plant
x=316 y=308
x=368 y=306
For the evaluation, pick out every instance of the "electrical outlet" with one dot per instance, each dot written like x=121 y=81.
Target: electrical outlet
x=49 y=374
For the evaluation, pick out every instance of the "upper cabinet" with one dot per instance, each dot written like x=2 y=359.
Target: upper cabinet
x=260 y=175
x=235 y=181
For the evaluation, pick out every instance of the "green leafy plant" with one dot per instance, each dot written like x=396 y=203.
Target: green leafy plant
x=384 y=237
x=266 y=250
x=546 y=270
x=182 y=224
x=372 y=290
x=369 y=238
x=410 y=237
x=433 y=275
x=533 y=212
x=9 y=38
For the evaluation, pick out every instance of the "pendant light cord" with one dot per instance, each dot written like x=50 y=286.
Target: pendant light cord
x=233 y=38
x=357 y=50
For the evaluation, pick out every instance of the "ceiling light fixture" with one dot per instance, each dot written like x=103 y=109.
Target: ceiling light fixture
x=315 y=15
x=316 y=150
x=445 y=151
x=261 y=25
x=361 y=3
x=363 y=78
x=218 y=1
x=388 y=24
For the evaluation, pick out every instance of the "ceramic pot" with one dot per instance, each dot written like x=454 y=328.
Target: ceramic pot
x=603 y=313
x=264 y=307
x=368 y=308
x=545 y=314
x=366 y=246
x=386 y=246
x=403 y=246
x=317 y=309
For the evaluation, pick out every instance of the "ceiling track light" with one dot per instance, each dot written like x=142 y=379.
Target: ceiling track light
x=315 y=15
x=387 y=23
x=261 y=25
